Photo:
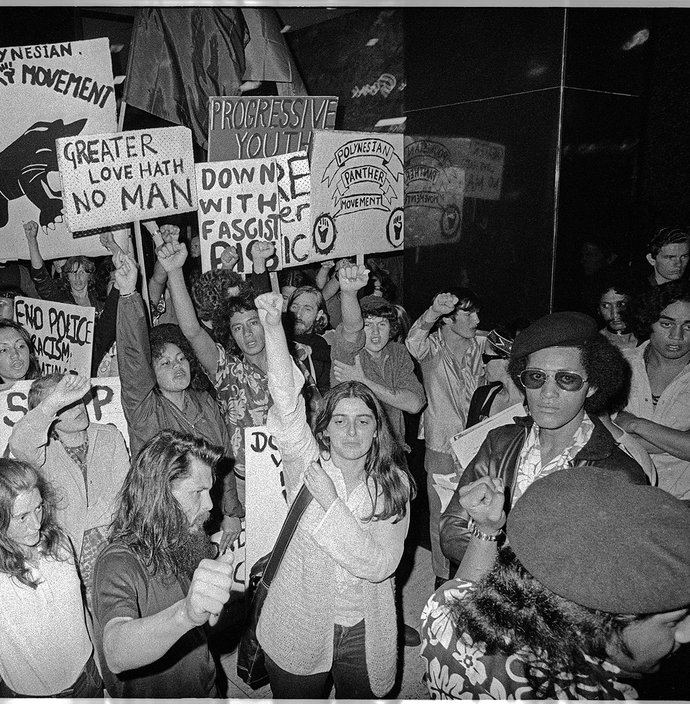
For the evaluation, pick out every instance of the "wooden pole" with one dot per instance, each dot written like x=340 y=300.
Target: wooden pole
x=142 y=268
x=273 y=276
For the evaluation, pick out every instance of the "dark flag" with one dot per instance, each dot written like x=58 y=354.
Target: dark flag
x=181 y=56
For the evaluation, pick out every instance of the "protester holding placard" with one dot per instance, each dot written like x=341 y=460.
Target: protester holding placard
x=330 y=612
x=18 y=360
x=162 y=388
x=86 y=462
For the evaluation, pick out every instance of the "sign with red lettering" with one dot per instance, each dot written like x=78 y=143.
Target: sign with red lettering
x=112 y=179
x=62 y=333
x=47 y=91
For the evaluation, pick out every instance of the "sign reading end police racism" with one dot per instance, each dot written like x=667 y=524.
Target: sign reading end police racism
x=110 y=179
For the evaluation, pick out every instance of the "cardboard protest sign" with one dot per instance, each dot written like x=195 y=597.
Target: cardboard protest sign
x=47 y=91
x=357 y=193
x=104 y=406
x=266 y=500
x=238 y=206
x=294 y=193
x=258 y=127
x=62 y=333
x=111 y=179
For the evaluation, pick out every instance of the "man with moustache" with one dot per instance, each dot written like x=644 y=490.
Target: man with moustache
x=155 y=586
x=658 y=410
x=569 y=373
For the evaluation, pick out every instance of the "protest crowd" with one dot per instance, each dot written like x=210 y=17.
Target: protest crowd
x=167 y=415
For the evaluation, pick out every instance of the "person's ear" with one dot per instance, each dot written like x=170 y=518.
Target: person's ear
x=651 y=259
x=321 y=317
x=591 y=391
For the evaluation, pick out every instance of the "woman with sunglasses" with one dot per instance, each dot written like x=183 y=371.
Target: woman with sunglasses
x=570 y=374
x=501 y=391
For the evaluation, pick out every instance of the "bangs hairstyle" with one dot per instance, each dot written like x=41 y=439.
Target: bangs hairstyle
x=385 y=467
x=72 y=264
x=17 y=477
x=34 y=368
x=667 y=235
x=382 y=309
x=321 y=322
x=510 y=610
x=468 y=301
x=647 y=309
x=606 y=369
x=148 y=518
x=168 y=333
x=224 y=312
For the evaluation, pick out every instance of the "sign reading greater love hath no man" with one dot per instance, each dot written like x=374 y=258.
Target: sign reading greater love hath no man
x=112 y=179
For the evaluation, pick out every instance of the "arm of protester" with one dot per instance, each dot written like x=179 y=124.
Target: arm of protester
x=261 y=252
x=484 y=501
x=172 y=255
x=30 y=436
x=321 y=278
x=46 y=287
x=157 y=283
x=654 y=437
x=31 y=233
x=352 y=279
x=130 y=643
x=417 y=341
x=370 y=550
x=333 y=284
x=107 y=239
x=105 y=329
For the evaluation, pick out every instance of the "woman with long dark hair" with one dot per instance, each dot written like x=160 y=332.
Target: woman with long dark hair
x=18 y=359
x=45 y=649
x=330 y=614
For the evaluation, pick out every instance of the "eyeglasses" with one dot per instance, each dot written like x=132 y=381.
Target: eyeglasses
x=536 y=378
x=486 y=358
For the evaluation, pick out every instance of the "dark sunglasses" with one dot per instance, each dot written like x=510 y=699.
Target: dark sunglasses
x=536 y=378
x=486 y=358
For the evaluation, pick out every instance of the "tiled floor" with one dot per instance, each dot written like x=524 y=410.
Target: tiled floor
x=416 y=578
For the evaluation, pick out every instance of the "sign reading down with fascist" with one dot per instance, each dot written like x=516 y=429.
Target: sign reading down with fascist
x=111 y=179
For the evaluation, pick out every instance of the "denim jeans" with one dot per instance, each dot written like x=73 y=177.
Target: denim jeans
x=87 y=686
x=348 y=671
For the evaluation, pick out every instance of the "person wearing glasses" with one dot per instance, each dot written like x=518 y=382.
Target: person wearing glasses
x=570 y=373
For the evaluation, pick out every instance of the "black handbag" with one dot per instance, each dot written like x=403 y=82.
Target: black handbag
x=251 y=666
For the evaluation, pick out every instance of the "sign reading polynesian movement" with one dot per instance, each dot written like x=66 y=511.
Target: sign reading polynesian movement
x=62 y=333
x=47 y=91
x=253 y=200
x=103 y=404
x=112 y=179
x=357 y=193
x=259 y=127
x=440 y=172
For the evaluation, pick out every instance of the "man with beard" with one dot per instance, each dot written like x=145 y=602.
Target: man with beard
x=307 y=319
x=155 y=587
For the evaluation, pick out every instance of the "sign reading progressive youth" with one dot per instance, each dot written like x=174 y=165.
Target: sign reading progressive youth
x=47 y=91
x=110 y=179
x=258 y=127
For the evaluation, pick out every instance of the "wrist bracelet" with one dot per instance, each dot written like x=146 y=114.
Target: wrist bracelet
x=127 y=295
x=476 y=533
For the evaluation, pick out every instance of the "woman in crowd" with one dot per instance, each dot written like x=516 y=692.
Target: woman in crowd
x=330 y=613
x=591 y=591
x=18 y=359
x=501 y=392
x=163 y=387
x=85 y=462
x=45 y=649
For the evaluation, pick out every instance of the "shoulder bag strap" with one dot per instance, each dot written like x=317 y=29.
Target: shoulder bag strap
x=299 y=505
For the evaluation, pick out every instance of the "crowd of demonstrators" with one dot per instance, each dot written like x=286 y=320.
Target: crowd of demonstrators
x=334 y=368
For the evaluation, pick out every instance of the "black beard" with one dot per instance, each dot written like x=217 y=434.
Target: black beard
x=191 y=551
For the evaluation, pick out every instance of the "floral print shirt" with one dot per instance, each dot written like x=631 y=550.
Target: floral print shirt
x=243 y=397
x=457 y=667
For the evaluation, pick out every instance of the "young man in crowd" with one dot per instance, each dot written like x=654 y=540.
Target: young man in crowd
x=444 y=341
x=155 y=586
x=615 y=297
x=667 y=253
x=658 y=410
x=570 y=373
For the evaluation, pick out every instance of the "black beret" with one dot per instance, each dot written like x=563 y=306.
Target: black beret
x=564 y=329
x=591 y=536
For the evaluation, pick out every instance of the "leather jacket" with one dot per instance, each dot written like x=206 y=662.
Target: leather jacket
x=498 y=457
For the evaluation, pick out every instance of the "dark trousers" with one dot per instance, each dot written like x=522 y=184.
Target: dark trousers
x=87 y=685
x=348 y=671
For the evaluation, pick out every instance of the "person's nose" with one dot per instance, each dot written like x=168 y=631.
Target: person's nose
x=550 y=388
x=207 y=504
x=682 y=632
x=35 y=522
x=248 y=333
x=352 y=428
x=676 y=332
x=475 y=318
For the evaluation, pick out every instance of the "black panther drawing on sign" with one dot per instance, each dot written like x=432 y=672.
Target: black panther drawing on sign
x=24 y=168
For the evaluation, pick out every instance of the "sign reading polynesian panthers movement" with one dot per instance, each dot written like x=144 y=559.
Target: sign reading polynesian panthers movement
x=62 y=333
x=111 y=179
x=47 y=91
x=103 y=404
x=257 y=127
x=357 y=194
